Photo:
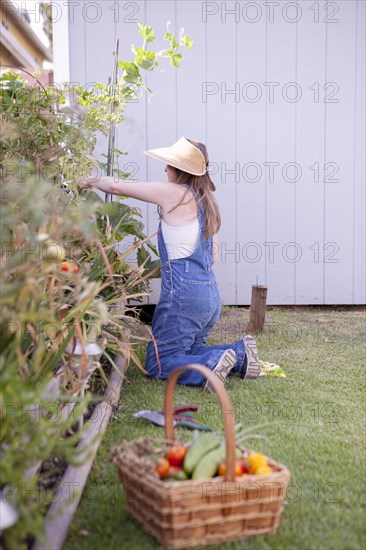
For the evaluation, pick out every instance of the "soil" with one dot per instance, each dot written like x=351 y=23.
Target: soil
x=53 y=469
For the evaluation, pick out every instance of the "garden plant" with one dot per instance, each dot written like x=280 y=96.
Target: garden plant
x=62 y=278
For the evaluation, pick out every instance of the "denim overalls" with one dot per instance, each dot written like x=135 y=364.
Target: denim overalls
x=188 y=308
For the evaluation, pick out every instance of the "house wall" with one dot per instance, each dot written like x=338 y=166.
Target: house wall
x=6 y=58
x=276 y=91
x=16 y=45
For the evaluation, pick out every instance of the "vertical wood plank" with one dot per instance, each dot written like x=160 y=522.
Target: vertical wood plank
x=131 y=135
x=359 y=176
x=280 y=149
x=309 y=189
x=161 y=108
x=77 y=49
x=251 y=154
x=339 y=148
x=191 y=111
x=221 y=108
x=99 y=48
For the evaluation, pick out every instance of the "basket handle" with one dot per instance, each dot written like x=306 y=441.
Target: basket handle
x=226 y=407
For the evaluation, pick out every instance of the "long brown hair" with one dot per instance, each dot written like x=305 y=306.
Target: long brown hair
x=203 y=187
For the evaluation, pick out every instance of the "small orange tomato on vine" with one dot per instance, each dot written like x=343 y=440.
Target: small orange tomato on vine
x=69 y=267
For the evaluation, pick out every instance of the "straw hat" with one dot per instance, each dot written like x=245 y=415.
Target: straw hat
x=182 y=155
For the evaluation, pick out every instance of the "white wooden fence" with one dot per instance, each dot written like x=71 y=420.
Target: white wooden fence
x=276 y=90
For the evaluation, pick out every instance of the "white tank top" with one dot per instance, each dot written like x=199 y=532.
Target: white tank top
x=181 y=241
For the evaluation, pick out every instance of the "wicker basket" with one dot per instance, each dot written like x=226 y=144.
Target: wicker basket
x=192 y=513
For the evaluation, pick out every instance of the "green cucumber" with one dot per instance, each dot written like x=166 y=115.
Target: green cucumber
x=208 y=465
x=179 y=476
x=201 y=446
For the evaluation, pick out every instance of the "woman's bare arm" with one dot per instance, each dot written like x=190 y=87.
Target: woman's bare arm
x=157 y=192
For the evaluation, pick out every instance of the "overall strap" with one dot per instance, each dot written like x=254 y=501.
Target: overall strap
x=161 y=245
x=200 y=211
x=205 y=248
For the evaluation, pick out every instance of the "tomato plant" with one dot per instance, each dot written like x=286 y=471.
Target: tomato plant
x=48 y=138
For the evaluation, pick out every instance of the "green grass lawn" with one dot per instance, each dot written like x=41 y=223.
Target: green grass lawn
x=317 y=428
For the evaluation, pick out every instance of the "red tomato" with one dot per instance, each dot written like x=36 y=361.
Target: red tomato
x=238 y=470
x=176 y=455
x=244 y=467
x=162 y=467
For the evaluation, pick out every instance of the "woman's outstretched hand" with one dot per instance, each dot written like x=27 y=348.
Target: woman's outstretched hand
x=84 y=184
x=96 y=180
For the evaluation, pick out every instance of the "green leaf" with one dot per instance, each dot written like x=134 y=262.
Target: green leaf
x=187 y=42
x=146 y=32
x=132 y=72
x=93 y=197
x=175 y=58
x=143 y=257
x=146 y=59
x=134 y=227
x=119 y=152
x=10 y=76
x=173 y=41
x=121 y=174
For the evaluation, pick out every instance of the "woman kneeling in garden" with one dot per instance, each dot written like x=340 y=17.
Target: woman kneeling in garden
x=190 y=303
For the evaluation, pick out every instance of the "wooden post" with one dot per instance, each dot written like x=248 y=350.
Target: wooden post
x=257 y=309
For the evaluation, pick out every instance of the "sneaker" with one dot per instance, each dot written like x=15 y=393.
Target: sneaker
x=226 y=363
x=251 y=368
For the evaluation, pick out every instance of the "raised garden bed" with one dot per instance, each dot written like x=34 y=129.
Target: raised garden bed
x=67 y=481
